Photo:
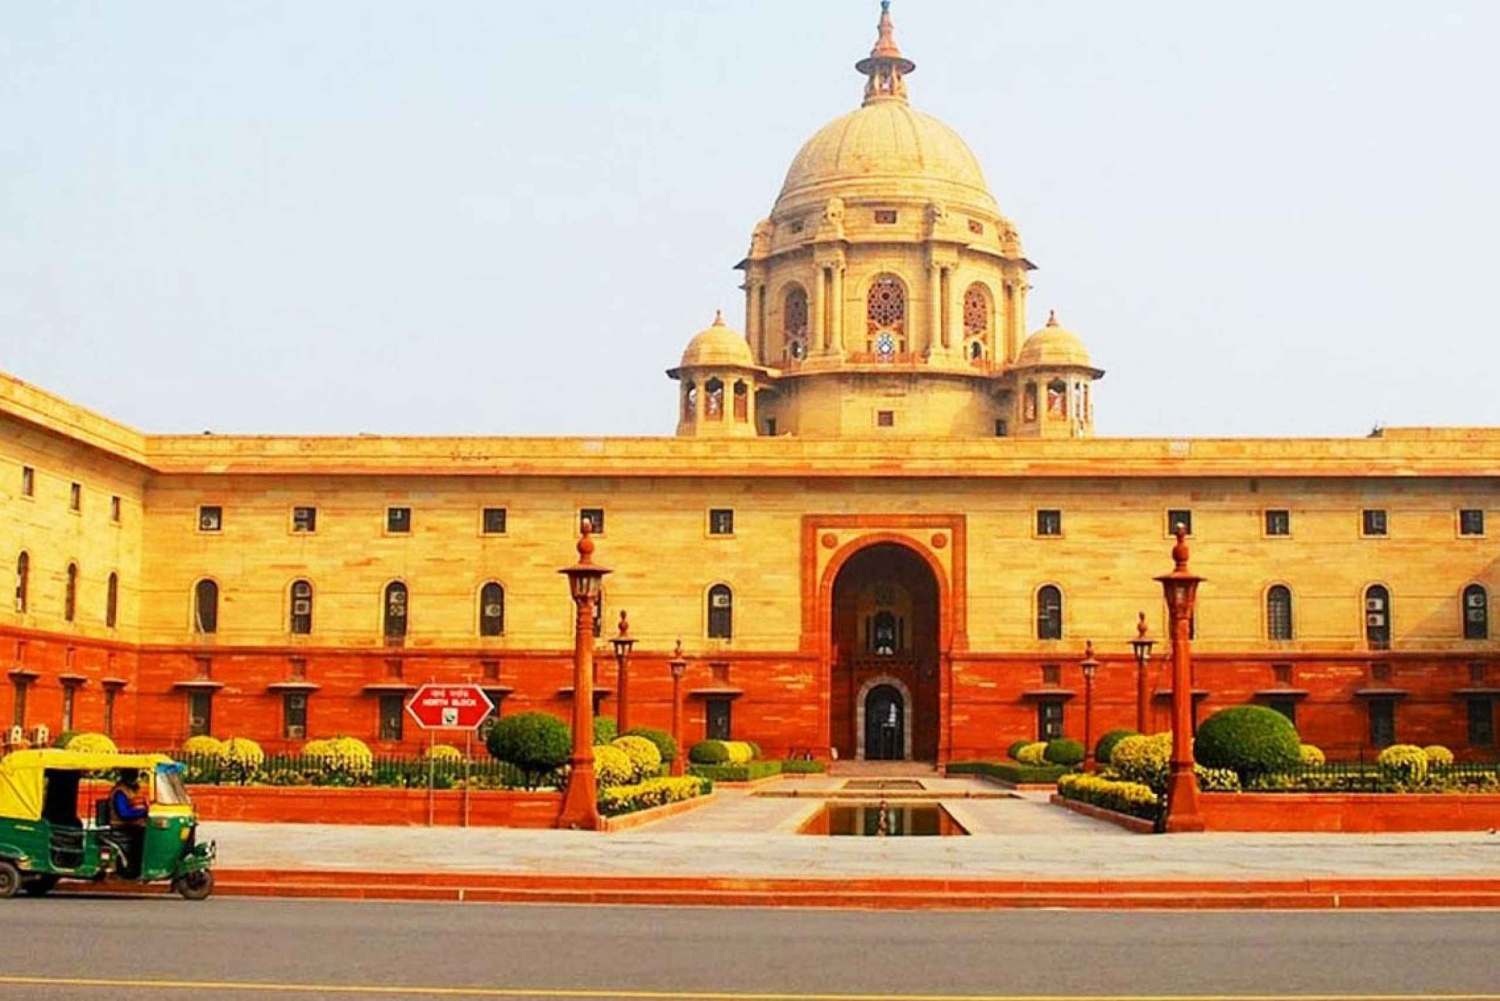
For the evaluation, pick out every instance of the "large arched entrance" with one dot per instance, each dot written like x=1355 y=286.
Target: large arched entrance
x=884 y=665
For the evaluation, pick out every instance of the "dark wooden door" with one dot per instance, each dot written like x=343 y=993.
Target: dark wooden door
x=885 y=724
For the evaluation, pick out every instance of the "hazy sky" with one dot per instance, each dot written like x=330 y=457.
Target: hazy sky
x=508 y=218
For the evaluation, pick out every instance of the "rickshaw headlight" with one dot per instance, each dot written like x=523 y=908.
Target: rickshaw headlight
x=185 y=833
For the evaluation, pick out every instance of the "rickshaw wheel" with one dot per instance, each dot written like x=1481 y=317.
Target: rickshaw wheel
x=10 y=880
x=39 y=886
x=195 y=885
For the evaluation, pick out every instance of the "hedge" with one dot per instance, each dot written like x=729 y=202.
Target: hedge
x=1063 y=751
x=652 y=792
x=666 y=744
x=1034 y=753
x=1009 y=771
x=738 y=773
x=1131 y=798
x=1106 y=745
x=537 y=743
x=1014 y=750
x=645 y=759
x=1252 y=740
x=802 y=766
x=605 y=729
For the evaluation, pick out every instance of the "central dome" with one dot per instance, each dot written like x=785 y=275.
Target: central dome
x=886 y=149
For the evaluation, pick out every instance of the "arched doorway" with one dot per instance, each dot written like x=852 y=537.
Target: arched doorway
x=885 y=656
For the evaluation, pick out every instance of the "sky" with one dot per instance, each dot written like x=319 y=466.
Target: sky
x=1273 y=218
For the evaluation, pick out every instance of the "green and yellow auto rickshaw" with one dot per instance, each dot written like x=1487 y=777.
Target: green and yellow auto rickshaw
x=43 y=839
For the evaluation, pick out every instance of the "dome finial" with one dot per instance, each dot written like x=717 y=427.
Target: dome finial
x=885 y=67
x=1051 y=317
x=718 y=317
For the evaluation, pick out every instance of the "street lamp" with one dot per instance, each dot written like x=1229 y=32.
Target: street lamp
x=1090 y=668
x=622 y=644
x=678 y=665
x=580 y=808
x=1142 y=647
x=1181 y=590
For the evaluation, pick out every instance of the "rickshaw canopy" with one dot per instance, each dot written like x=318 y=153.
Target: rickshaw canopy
x=23 y=775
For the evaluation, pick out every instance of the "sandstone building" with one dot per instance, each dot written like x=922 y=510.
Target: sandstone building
x=885 y=504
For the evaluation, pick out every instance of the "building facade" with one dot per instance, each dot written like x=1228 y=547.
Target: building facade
x=885 y=528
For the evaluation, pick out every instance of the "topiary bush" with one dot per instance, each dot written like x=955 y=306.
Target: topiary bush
x=741 y=752
x=91 y=743
x=1312 y=756
x=1144 y=759
x=754 y=750
x=1403 y=763
x=1438 y=756
x=339 y=760
x=612 y=766
x=537 y=743
x=652 y=792
x=241 y=758
x=1034 y=753
x=445 y=753
x=1106 y=745
x=1063 y=751
x=1014 y=750
x=605 y=729
x=202 y=746
x=1252 y=740
x=645 y=759
x=666 y=745
x=709 y=752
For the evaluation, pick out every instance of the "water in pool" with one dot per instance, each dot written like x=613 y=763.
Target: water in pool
x=873 y=820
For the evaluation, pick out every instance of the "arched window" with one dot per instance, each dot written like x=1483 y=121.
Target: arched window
x=794 y=322
x=1476 y=613
x=885 y=314
x=713 y=399
x=1378 y=617
x=689 y=401
x=300 y=620
x=741 y=401
x=111 y=600
x=23 y=579
x=1028 y=404
x=1057 y=398
x=395 y=612
x=492 y=610
x=720 y=612
x=70 y=595
x=1049 y=613
x=205 y=607
x=1279 y=612
x=978 y=319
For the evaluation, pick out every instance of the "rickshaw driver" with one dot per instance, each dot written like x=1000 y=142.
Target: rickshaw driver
x=128 y=808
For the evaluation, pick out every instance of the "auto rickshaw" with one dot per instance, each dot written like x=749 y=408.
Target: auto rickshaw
x=43 y=839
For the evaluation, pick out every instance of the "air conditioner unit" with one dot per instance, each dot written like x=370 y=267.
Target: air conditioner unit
x=209 y=523
x=20 y=605
x=1476 y=601
x=296 y=733
x=1374 y=604
x=493 y=611
x=15 y=736
x=721 y=601
x=302 y=607
x=1375 y=620
x=41 y=736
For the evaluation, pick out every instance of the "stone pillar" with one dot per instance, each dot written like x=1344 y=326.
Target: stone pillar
x=839 y=339
x=815 y=298
x=934 y=309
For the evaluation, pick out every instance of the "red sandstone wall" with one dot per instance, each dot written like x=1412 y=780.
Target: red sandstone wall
x=379 y=806
x=1350 y=813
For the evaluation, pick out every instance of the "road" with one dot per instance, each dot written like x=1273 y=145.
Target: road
x=293 y=950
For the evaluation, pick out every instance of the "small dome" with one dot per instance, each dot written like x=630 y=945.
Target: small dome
x=718 y=347
x=1053 y=346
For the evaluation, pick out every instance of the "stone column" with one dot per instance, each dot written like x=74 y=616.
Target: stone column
x=839 y=344
x=815 y=300
x=934 y=309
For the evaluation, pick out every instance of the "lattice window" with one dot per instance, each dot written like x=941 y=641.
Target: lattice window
x=887 y=305
x=1476 y=613
x=1279 y=613
x=492 y=610
x=976 y=311
x=302 y=610
x=1049 y=613
x=794 y=322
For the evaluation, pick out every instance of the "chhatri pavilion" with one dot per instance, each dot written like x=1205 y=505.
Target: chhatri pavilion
x=885 y=528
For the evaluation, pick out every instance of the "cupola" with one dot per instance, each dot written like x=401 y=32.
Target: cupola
x=1054 y=376
x=717 y=380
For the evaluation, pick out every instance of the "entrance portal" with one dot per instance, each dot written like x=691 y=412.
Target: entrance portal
x=884 y=671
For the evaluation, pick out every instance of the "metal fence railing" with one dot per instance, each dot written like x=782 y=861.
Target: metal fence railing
x=1367 y=776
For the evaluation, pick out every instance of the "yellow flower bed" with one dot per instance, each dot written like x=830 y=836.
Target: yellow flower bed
x=1122 y=797
x=612 y=766
x=1033 y=754
x=202 y=746
x=645 y=795
x=1312 y=755
x=93 y=743
x=241 y=753
x=1438 y=756
x=645 y=759
x=740 y=752
x=341 y=755
x=1404 y=763
x=445 y=752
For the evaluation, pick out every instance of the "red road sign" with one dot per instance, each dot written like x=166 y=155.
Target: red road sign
x=449 y=707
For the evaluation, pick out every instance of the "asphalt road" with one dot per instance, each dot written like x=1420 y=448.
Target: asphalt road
x=318 y=949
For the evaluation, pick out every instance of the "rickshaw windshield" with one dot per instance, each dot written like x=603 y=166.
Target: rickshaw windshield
x=170 y=789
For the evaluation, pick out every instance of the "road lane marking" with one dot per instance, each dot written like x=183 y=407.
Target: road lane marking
x=583 y=994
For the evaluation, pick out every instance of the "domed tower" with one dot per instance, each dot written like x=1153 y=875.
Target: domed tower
x=1054 y=378
x=886 y=293
x=718 y=379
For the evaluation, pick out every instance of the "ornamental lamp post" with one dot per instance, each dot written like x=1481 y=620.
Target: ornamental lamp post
x=1181 y=590
x=580 y=807
x=1090 y=668
x=622 y=644
x=678 y=665
x=1142 y=648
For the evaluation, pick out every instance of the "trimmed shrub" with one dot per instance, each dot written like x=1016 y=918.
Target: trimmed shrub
x=652 y=792
x=445 y=753
x=1403 y=763
x=1144 y=759
x=802 y=766
x=1312 y=756
x=1252 y=740
x=605 y=729
x=612 y=766
x=754 y=750
x=1106 y=744
x=62 y=740
x=1438 y=756
x=202 y=746
x=1014 y=750
x=341 y=760
x=666 y=746
x=1131 y=798
x=737 y=773
x=709 y=752
x=1217 y=779
x=740 y=752
x=537 y=743
x=241 y=757
x=645 y=759
x=91 y=743
x=1063 y=751
x=1009 y=771
x=1033 y=754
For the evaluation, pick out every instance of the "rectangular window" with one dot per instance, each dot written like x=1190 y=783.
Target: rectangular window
x=75 y=497
x=1179 y=516
x=1002 y=428
x=294 y=713
x=1051 y=674
x=304 y=519
x=397 y=520
x=18 y=706
x=494 y=521
x=200 y=714
x=594 y=516
x=109 y=711
x=392 y=713
x=1049 y=522
x=885 y=217
x=210 y=519
x=114 y=509
x=1382 y=722
x=28 y=481
x=885 y=418
x=1471 y=522
x=718 y=719
x=721 y=521
x=1282 y=673
x=68 y=693
x=1373 y=521
x=1279 y=522
x=1481 y=722
x=975 y=226
x=1049 y=720
x=1287 y=707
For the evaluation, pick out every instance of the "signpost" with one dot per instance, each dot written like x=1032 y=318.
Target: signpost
x=448 y=707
